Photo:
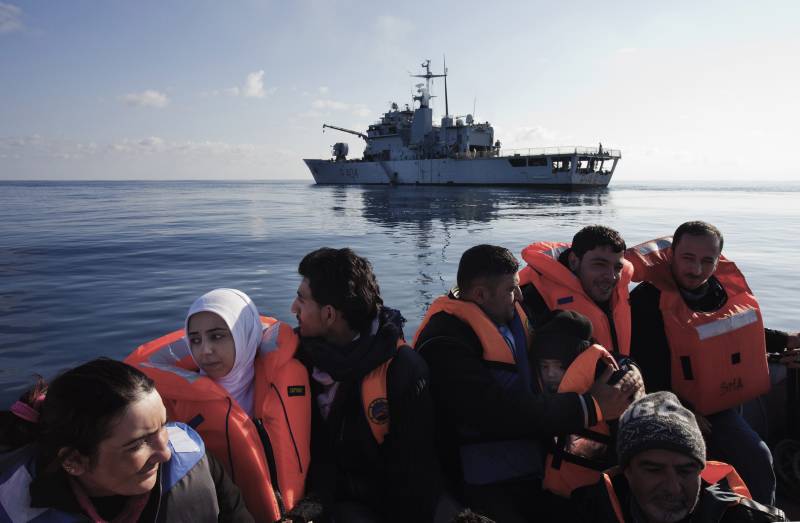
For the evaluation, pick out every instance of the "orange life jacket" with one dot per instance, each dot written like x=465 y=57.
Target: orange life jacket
x=561 y=289
x=713 y=473
x=578 y=458
x=494 y=345
x=375 y=398
x=717 y=359
x=270 y=448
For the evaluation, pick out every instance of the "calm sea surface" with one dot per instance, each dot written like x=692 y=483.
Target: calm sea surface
x=90 y=269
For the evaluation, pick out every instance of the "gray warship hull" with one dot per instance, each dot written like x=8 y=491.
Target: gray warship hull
x=571 y=171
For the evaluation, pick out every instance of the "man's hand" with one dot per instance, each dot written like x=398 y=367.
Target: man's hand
x=633 y=383
x=793 y=341
x=611 y=398
x=791 y=358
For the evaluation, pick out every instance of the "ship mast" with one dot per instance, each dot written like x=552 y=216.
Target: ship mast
x=446 y=105
x=427 y=76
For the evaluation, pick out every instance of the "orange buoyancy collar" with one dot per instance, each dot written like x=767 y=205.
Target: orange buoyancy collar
x=561 y=289
x=578 y=459
x=717 y=359
x=267 y=456
x=494 y=345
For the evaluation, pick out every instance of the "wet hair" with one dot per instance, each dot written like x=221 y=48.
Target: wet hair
x=484 y=261
x=342 y=279
x=79 y=411
x=696 y=228
x=594 y=236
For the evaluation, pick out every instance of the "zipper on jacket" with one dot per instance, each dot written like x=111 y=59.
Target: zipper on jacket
x=273 y=470
x=289 y=426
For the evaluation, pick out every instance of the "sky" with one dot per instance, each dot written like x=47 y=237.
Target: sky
x=179 y=89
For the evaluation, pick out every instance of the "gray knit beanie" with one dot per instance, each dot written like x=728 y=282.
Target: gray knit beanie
x=659 y=421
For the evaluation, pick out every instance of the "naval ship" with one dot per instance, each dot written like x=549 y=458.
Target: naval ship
x=405 y=147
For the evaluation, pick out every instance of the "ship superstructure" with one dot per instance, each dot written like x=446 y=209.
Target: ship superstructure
x=405 y=147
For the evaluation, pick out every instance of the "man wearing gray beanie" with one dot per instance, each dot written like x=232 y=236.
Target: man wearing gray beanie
x=662 y=475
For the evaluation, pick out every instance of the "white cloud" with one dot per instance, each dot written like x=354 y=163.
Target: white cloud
x=393 y=28
x=528 y=136
x=10 y=18
x=148 y=98
x=323 y=90
x=361 y=110
x=335 y=105
x=329 y=104
x=254 y=85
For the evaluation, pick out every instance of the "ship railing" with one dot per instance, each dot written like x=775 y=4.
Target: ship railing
x=564 y=150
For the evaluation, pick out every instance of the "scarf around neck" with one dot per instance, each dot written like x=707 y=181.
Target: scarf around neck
x=359 y=357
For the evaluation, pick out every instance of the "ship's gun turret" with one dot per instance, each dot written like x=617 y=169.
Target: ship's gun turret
x=360 y=135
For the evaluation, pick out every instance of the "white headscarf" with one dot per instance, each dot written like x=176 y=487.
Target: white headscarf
x=241 y=315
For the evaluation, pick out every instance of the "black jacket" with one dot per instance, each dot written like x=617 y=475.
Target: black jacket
x=467 y=395
x=649 y=346
x=396 y=480
x=717 y=504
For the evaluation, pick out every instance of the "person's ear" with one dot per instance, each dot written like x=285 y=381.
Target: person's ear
x=329 y=315
x=574 y=261
x=73 y=462
x=480 y=293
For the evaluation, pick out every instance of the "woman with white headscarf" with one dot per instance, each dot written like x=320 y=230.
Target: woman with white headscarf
x=231 y=374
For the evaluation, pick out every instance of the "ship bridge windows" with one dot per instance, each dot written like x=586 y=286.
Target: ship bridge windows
x=561 y=164
x=518 y=161
x=588 y=165
x=530 y=161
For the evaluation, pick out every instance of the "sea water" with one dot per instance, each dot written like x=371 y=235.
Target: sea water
x=97 y=268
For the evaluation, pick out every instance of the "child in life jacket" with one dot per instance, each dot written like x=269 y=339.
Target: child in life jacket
x=569 y=361
x=558 y=343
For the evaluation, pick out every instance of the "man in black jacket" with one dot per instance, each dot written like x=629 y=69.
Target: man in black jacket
x=346 y=334
x=695 y=254
x=491 y=415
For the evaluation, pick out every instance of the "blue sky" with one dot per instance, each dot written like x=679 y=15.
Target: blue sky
x=239 y=90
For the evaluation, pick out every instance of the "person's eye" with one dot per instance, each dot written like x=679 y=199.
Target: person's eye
x=136 y=446
x=194 y=341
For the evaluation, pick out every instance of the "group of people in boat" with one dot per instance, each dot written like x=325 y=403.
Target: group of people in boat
x=543 y=394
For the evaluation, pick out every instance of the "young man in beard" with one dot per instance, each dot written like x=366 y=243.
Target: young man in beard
x=372 y=454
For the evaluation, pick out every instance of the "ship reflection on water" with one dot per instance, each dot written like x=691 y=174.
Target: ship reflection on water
x=424 y=229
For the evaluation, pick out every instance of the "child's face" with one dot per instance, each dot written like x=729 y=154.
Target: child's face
x=552 y=372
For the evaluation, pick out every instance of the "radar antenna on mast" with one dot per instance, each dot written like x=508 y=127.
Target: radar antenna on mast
x=427 y=76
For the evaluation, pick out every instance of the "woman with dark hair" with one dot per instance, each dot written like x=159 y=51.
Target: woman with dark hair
x=95 y=445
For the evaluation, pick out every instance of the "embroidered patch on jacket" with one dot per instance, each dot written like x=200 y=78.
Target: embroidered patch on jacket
x=296 y=390
x=378 y=411
x=565 y=299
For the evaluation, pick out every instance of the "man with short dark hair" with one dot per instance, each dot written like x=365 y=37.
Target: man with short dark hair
x=663 y=476
x=372 y=455
x=698 y=331
x=492 y=419
x=589 y=276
